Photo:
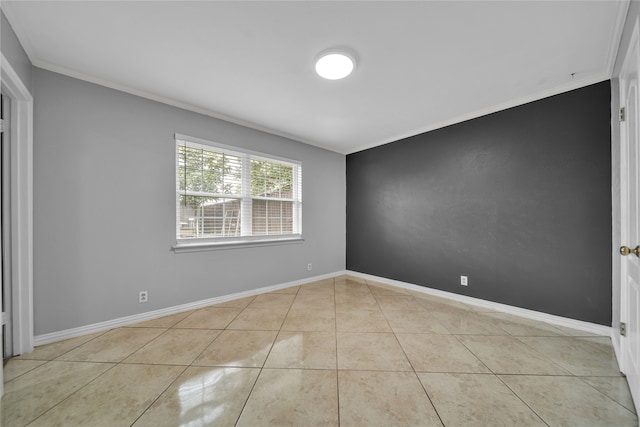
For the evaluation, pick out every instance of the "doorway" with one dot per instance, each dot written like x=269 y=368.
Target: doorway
x=16 y=158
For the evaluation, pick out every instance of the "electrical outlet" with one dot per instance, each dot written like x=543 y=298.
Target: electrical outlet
x=143 y=296
x=464 y=281
x=309 y=267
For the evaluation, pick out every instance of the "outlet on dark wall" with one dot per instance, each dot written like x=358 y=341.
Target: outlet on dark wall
x=519 y=201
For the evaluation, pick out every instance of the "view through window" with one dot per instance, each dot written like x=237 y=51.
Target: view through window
x=226 y=194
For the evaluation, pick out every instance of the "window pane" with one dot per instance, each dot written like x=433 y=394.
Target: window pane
x=212 y=163
x=272 y=217
x=193 y=179
x=273 y=209
x=287 y=225
x=232 y=175
x=259 y=208
x=209 y=171
x=287 y=191
x=270 y=179
x=259 y=215
x=209 y=217
x=193 y=158
x=182 y=179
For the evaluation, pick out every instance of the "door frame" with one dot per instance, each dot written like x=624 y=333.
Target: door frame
x=621 y=353
x=21 y=141
x=5 y=237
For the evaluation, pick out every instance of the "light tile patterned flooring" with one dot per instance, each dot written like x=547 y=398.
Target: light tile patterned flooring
x=341 y=351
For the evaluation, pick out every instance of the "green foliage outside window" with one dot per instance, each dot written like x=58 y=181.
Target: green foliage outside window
x=270 y=179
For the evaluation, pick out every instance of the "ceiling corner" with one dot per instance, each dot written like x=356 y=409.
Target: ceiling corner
x=21 y=33
x=616 y=35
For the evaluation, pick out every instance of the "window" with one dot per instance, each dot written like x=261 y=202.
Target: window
x=229 y=195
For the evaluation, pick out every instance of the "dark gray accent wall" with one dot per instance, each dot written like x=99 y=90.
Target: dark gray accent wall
x=519 y=201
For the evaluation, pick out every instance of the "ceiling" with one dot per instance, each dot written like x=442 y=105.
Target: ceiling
x=421 y=65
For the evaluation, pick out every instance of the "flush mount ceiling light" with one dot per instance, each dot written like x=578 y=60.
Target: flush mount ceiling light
x=334 y=64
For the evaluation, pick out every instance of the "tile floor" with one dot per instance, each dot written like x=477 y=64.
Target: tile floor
x=337 y=352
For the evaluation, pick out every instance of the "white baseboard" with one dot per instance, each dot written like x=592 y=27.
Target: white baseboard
x=150 y=315
x=517 y=311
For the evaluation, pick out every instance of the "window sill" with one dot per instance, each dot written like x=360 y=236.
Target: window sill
x=240 y=244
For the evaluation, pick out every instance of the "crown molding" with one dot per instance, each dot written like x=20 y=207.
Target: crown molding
x=569 y=86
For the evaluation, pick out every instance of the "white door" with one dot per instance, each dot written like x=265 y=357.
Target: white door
x=630 y=218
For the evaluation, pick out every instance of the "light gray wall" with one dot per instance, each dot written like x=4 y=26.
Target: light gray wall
x=632 y=16
x=104 y=208
x=14 y=53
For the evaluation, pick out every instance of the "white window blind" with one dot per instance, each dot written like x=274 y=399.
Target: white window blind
x=227 y=195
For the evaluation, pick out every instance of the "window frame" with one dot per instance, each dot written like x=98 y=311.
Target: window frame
x=246 y=199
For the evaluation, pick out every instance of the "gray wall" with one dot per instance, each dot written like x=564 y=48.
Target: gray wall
x=14 y=53
x=519 y=201
x=104 y=208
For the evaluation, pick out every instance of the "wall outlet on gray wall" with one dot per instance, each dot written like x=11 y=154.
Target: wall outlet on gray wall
x=464 y=281
x=309 y=267
x=143 y=296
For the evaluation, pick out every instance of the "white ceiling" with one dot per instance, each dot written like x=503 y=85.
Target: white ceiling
x=421 y=64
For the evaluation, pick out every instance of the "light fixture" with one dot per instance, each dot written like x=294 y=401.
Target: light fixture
x=335 y=64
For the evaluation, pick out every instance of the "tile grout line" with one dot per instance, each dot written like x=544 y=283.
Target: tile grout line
x=244 y=405
x=521 y=399
x=581 y=378
x=160 y=394
x=335 y=310
x=491 y=372
x=121 y=362
x=57 y=359
x=44 y=362
x=76 y=391
x=473 y=354
x=71 y=349
x=253 y=386
x=517 y=338
x=545 y=356
x=409 y=360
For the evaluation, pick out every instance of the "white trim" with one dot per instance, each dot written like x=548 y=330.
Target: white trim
x=243 y=242
x=194 y=141
x=566 y=87
x=562 y=88
x=571 y=85
x=22 y=207
x=165 y=100
x=150 y=315
x=517 y=311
